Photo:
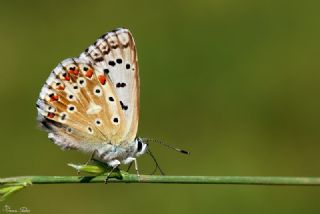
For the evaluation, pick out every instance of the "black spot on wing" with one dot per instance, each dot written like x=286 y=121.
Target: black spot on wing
x=105 y=52
x=99 y=59
x=114 y=46
x=111 y=63
x=119 y=61
x=121 y=85
x=63 y=117
x=123 y=106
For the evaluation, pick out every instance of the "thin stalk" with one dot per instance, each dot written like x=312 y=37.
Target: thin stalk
x=130 y=178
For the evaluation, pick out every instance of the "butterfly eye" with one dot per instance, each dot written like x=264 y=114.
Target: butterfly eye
x=71 y=108
x=82 y=82
x=139 y=147
x=97 y=91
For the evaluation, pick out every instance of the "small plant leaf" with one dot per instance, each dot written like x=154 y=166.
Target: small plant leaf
x=91 y=169
x=8 y=190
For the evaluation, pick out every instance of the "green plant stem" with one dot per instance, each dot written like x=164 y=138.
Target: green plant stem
x=130 y=178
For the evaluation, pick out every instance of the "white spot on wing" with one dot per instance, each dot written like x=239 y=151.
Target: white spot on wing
x=97 y=91
x=81 y=81
x=93 y=108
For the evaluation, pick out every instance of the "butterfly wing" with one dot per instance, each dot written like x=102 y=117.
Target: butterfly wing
x=115 y=55
x=86 y=101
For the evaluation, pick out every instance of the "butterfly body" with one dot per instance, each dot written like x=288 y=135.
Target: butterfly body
x=91 y=103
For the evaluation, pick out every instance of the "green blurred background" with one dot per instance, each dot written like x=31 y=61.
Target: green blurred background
x=234 y=82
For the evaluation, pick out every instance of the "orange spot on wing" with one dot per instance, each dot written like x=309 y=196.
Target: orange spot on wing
x=102 y=79
x=53 y=98
x=67 y=77
x=89 y=73
x=74 y=72
x=51 y=115
x=61 y=87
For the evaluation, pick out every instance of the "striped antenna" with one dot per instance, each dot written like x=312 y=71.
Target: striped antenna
x=147 y=140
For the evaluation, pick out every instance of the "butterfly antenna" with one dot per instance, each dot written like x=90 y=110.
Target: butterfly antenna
x=162 y=143
x=156 y=162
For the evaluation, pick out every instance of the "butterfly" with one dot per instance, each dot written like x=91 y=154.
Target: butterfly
x=91 y=103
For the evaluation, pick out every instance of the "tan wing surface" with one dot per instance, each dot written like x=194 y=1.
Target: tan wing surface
x=94 y=98
x=115 y=55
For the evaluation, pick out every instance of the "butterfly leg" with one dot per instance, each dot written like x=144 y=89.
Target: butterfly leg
x=131 y=160
x=136 y=167
x=114 y=164
x=129 y=167
x=92 y=156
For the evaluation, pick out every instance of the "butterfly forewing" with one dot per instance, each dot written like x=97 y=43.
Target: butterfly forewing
x=94 y=98
x=114 y=54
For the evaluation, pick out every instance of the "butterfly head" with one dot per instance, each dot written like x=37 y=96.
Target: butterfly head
x=140 y=146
